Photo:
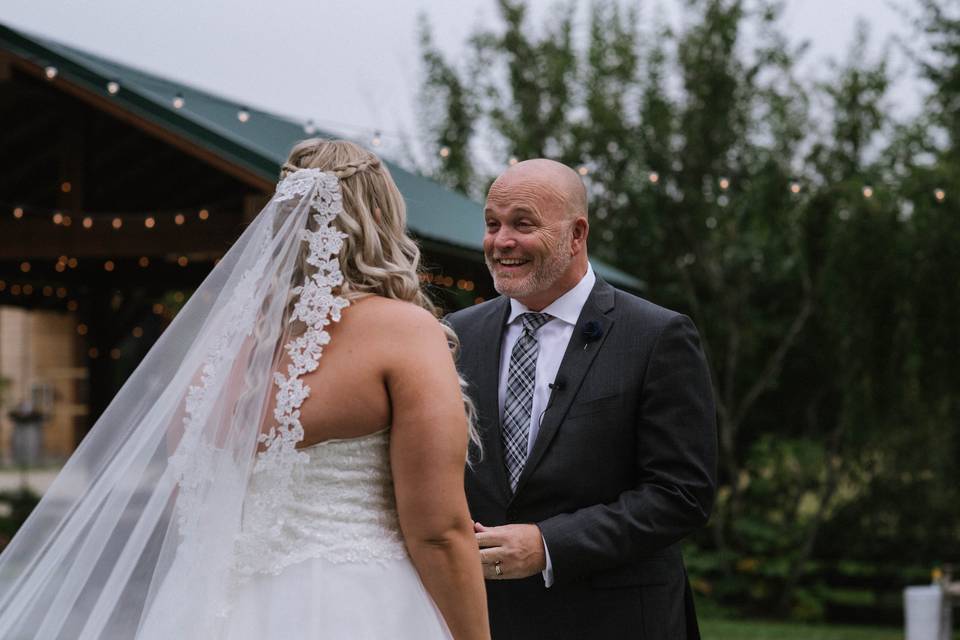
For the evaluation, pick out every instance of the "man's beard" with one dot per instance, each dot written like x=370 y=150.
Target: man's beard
x=545 y=274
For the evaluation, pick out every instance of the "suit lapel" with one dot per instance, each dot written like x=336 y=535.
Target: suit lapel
x=487 y=385
x=576 y=361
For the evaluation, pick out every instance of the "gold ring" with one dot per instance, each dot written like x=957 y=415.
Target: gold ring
x=497 y=569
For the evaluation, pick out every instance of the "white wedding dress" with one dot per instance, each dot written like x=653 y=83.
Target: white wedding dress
x=338 y=568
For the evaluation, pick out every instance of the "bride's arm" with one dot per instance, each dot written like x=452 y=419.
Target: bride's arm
x=428 y=450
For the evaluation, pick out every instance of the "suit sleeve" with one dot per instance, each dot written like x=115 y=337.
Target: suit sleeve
x=676 y=468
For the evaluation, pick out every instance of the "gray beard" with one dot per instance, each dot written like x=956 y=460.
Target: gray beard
x=545 y=275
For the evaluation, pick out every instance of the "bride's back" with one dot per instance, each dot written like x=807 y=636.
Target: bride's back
x=349 y=397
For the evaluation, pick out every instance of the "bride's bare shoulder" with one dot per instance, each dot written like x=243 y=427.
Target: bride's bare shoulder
x=376 y=315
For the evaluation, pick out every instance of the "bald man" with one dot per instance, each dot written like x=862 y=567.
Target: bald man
x=597 y=420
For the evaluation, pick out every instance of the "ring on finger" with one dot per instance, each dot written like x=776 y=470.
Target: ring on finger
x=497 y=569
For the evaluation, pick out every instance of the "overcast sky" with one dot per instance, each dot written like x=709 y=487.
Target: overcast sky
x=352 y=66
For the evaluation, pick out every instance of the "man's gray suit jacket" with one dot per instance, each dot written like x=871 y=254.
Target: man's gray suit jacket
x=624 y=467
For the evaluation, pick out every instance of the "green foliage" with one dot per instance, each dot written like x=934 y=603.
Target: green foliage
x=799 y=224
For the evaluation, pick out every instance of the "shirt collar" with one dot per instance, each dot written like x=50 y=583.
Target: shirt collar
x=567 y=307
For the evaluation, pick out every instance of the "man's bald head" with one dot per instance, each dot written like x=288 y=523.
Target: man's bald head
x=535 y=244
x=562 y=183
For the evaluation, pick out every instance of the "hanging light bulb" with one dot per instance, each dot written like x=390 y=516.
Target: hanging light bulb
x=87 y=222
x=183 y=261
x=149 y=222
x=144 y=261
x=376 y=141
x=724 y=183
x=67 y=221
x=940 y=195
x=204 y=214
x=444 y=152
x=25 y=267
x=512 y=161
x=117 y=223
x=18 y=213
x=583 y=170
x=794 y=187
x=66 y=187
x=178 y=101
x=51 y=72
x=243 y=114
x=867 y=191
x=654 y=177
x=178 y=219
x=113 y=87
x=57 y=218
x=108 y=265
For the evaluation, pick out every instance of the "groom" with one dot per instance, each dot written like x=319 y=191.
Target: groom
x=597 y=420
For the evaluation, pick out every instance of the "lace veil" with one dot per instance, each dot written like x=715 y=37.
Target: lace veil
x=136 y=536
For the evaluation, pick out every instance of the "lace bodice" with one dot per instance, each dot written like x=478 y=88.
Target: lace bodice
x=340 y=507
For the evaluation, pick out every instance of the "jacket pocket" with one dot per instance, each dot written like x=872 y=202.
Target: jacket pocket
x=594 y=405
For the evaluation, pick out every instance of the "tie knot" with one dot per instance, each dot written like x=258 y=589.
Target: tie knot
x=533 y=321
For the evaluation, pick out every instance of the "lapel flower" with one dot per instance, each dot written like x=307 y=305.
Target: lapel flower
x=591 y=331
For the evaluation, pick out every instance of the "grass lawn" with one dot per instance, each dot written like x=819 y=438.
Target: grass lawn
x=749 y=630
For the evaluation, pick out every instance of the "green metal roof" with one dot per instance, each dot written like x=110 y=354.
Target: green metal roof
x=259 y=145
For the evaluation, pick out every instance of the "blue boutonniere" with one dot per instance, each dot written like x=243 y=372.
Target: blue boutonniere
x=590 y=332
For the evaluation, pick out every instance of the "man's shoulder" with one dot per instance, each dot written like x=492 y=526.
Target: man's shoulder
x=640 y=309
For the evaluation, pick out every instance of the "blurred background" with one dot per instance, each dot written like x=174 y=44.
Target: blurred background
x=787 y=173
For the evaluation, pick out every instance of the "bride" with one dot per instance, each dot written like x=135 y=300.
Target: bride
x=240 y=487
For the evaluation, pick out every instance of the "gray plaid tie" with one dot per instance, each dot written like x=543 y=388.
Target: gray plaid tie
x=519 y=400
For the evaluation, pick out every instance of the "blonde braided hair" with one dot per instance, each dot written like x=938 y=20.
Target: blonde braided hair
x=378 y=255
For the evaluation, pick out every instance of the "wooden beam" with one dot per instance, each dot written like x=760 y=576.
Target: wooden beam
x=111 y=107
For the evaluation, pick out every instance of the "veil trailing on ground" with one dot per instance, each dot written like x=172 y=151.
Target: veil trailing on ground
x=136 y=537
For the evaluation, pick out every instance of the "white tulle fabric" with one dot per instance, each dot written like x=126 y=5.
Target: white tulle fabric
x=188 y=512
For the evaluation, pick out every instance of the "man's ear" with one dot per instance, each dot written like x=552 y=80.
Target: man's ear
x=579 y=233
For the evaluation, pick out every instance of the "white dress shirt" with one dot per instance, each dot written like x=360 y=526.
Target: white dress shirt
x=553 y=338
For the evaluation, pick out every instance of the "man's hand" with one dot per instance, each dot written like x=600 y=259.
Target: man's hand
x=511 y=551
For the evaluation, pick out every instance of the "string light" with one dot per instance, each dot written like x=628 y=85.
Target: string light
x=137 y=332
x=444 y=152
x=113 y=87
x=243 y=115
x=87 y=222
x=51 y=72
x=18 y=213
x=178 y=101
x=940 y=195
x=178 y=297
x=144 y=261
x=48 y=291
x=149 y=222
x=204 y=214
x=654 y=177
x=108 y=265
x=183 y=261
x=178 y=219
x=66 y=187
x=72 y=263
x=117 y=223
x=158 y=308
x=3 y=285
x=72 y=305
x=67 y=221
x=583 y=170
x=867 y=191
x=57 y=218
x=376 y=139
x=794 y=187
x=512 y=161
x=25 y=267
x=61 y=292
x=94 y=353
x=28 y=289
x=15 y=289
x=724 y=183
x=82 y=329
x=60 y=267
x=115 y=353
